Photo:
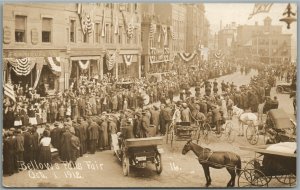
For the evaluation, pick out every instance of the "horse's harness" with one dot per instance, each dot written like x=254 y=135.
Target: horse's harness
x=205 y=160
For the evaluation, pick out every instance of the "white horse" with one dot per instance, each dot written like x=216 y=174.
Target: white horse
x=244 y=118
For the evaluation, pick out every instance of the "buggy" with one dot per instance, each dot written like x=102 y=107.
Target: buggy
x=278 y=163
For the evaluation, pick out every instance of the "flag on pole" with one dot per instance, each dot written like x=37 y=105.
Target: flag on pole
x=9 y=91
x=117 y=25
x=103 y=25
x=260 y=8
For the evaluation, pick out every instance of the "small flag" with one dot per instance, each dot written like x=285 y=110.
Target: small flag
x=103 y=32
x=260 y=8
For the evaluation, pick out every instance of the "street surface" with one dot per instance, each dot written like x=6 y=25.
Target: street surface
x=103 y=169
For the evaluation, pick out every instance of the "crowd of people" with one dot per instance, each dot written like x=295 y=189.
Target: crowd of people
x=86 y=119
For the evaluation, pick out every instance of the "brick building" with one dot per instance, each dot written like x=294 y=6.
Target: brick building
x=265 y=43
x=61 y=43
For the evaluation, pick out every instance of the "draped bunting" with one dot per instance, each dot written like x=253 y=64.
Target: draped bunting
x=187 y=56
x=83 y=65
x=103 y=31
x=128 y=59
x=22 y=66
x=9 y=91
x=117 y=25
x=165 y=33
x=172 y=32
x=218 y=54
x=129 y=26
x=166 y=54
x=152 y=55
x=87 y=25
x=111 y=60
x=54 y=64
x=152 y=30
x=39 y=67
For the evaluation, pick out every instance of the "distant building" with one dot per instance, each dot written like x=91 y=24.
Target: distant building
x=227 y=39
x=265 y=43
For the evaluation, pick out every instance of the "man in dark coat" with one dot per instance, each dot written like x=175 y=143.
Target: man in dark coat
x=155 y=117
x=75 y=147
x=56 y=136
x=28 y=146
x=167 y=116
x=9 y=145
x=84 y=128
x=81 y=135
x=66 y=152
x=93 y=136
x=19 y=155
x=35 y=144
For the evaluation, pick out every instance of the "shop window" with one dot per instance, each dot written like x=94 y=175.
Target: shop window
x=20 y=29
x=46 y=29
x=97 y=32
x=122 y=69
x=72 y=30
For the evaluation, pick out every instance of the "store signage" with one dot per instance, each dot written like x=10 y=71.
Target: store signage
x=30 y=53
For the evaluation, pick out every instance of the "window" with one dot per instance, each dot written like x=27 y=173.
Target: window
x=97 y=32
x=46 y=29
x=20 y=29
x=72 y=31
x=85 y=37
x=120 y=37
x=107 y=35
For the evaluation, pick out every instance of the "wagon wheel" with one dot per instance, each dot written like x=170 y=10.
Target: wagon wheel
x=158 y=165
x=125 y=165
x=251 y=134
x=206 y=132
x=252 y=177
x=256 y=164
x=287 y=179
x=229 y=132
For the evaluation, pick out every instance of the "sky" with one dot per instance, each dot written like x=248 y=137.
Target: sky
x=239 y=13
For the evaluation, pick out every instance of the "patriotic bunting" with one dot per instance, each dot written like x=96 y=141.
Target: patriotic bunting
x=187 y=56
x=83 y=65
x=166 y=54
x=165 y=33
x=103 y=31
x=87 y=25
x=128 y=59
x=54 y=64
x=260 y=8
x=152 y=56
x=152 y=30
x=172 y=32
x=218 y=55
x=9 y=91
x=111 y=60
x=22 y=67
x=38 y=75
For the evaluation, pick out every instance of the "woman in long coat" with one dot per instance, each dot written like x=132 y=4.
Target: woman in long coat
x=44 y=158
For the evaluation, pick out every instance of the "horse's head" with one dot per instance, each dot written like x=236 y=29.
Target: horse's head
x=187 y=147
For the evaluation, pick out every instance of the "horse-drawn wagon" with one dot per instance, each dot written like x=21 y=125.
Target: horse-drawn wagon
x=278 y=128
x=271 y=161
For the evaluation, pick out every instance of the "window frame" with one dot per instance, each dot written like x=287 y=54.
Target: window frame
x=51 y=32
x=25 y=28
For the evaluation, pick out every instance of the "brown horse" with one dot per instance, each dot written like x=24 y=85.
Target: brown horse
x=217 y=160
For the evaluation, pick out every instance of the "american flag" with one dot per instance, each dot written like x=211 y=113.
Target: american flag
x=260 y=8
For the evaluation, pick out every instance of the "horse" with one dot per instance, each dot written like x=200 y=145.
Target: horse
x=244 y=118
x=215 y=159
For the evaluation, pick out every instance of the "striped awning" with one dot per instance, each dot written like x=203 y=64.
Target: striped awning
x=54 y=64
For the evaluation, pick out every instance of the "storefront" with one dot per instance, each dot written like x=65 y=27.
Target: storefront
x=33 y=69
